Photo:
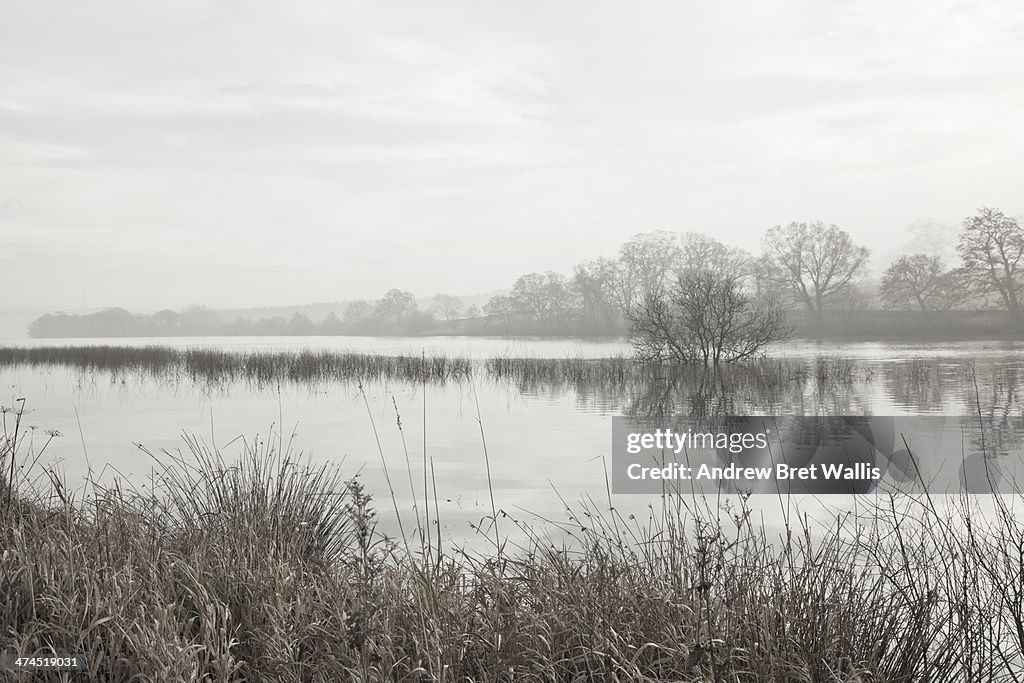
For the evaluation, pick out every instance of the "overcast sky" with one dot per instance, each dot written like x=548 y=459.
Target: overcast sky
x=253 y=153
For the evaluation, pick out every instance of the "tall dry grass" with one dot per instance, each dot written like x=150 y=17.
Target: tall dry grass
x=266 y=567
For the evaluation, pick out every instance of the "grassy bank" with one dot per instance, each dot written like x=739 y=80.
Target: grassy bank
x=268 y=568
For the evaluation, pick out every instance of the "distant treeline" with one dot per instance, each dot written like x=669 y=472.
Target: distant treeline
x=396 y=313
x=813 y=271
x=848 y=324
x=392 y=315
x=198 y=322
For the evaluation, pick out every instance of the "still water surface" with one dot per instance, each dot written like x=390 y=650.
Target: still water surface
x=542 y=437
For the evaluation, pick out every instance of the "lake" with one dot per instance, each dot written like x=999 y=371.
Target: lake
x=546 y=439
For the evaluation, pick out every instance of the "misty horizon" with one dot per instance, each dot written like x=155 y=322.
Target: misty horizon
x=332 y=154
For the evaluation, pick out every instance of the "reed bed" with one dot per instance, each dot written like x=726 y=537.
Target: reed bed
x=317 y=366
x=259 y=367
x=264 y=567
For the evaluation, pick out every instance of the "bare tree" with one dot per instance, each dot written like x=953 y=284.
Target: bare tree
x=396 y=308
x=705 y=317
x=593 y=286
x=920 y=281
x=542 y=297
x=816 y=262
x=699 y=252
x=992 y=248
x=358 y=313
x=645 y=266
x=446 y=306
x=659 y=332
x=500 y=306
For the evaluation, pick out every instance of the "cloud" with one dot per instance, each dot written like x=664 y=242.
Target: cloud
x=348 y=148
